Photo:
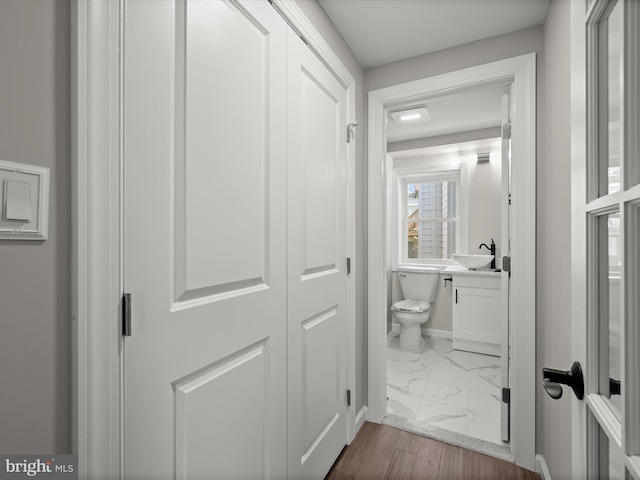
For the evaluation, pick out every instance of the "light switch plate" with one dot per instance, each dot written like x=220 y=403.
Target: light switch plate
x=25 y=201
x=17 y=201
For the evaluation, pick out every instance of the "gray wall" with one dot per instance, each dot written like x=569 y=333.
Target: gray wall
x=485 y=203
x=35 y=365
x=321 y=22
x=455 y=58
x=553 y=429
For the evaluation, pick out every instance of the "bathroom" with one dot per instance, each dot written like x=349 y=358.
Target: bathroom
x=450 y=166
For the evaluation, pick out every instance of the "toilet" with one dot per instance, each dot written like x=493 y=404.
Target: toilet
x=419 y=286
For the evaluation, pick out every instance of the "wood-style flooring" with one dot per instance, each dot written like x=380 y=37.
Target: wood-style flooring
x=383 y=452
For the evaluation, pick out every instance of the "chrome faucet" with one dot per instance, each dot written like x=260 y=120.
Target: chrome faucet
x=492 y=249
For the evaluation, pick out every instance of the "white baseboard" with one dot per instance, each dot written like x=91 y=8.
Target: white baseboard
x=361 y=416
x=431 y=332
x=541 y=468
x=395 y=331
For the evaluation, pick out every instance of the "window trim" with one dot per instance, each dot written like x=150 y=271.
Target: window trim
x=456 y=172
x=428 y=178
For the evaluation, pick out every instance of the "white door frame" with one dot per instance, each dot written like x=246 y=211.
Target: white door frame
x=522 y=72
x=578 y=224
x=97 y=230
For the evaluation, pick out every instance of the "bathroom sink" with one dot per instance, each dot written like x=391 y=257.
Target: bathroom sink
x=473 y=260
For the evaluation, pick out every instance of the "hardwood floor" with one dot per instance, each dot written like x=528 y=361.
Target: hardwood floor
x=383 y=452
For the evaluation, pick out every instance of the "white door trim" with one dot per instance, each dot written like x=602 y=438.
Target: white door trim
x=578 y=224
x=97 y=233
x=96 y=273
x=522 y=72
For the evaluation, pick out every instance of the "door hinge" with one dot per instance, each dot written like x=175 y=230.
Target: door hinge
x=348 y=398
x=506 y=264
x=506 y=131
x=351 y=131
x=456 y=295
x=126 y=314
x=348 y=265
x=506 y=396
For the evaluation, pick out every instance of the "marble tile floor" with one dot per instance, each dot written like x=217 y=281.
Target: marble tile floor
x=448 y=394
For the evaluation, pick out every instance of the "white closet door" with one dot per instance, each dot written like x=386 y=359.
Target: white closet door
x=205 y=240
x=317 y=277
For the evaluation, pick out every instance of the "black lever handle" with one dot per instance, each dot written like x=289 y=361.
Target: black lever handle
x=573 y=378
x=614 y=386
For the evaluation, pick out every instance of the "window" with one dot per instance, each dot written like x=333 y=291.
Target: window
x=431 y=218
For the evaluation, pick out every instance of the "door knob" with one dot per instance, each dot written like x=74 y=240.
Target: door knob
x=573 y=378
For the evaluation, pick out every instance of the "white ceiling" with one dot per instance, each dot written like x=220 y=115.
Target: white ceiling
x=465 y=111
x=384 y=31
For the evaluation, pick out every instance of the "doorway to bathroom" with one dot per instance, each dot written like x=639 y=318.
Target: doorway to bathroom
x=441 y=372
x=446 y=200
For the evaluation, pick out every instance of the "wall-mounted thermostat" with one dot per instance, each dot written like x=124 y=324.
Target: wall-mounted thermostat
x=24 y=193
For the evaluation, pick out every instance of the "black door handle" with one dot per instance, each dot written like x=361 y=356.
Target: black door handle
x=573 y=378
x=614 y=386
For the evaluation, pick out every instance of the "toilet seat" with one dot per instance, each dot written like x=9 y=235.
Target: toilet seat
x=411 y=306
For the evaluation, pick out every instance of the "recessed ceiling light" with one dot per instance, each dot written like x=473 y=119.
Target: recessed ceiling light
x=411 y=115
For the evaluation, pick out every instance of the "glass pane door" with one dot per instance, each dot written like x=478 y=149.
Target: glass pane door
x=612 y=243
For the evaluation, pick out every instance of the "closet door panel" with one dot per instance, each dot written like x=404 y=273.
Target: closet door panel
x=204 y=239
x=317 y=279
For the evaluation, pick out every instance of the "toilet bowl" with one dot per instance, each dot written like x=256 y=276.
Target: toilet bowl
x=419 y=287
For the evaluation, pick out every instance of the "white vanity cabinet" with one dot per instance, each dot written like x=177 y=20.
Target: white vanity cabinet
x=476 y=312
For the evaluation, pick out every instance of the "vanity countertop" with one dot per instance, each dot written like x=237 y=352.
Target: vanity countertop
x=457 y=270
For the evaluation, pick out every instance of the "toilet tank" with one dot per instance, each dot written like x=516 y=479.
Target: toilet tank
x=419 y=283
